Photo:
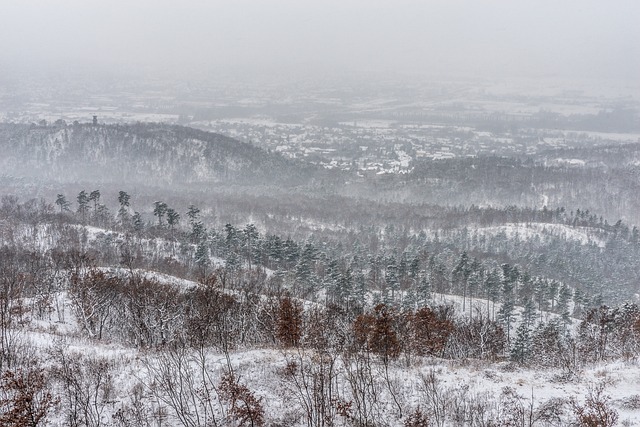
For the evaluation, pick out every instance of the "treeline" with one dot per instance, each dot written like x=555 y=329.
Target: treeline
x=145 y=313
x=392 y=267
x=503 y=181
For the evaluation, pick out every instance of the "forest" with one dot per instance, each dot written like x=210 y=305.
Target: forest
x=114 y=312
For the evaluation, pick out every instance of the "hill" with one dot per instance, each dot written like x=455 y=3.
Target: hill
x=141 y=153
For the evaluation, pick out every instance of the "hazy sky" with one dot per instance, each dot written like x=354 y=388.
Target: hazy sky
x=512 y=38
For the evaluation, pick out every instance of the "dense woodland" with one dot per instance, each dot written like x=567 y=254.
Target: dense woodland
x=337 y=310
x=320 y=300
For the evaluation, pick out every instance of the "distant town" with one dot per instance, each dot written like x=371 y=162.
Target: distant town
x=350 y=127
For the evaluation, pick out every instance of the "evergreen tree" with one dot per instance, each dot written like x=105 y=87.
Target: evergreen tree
x=123 y=211
x=202 y=257
x=492 y=290
x=232 y=239
x=360 y=289
x=103 y=214
x=414 y=270
x=529 y=312
x=438 y=276
x=292 y=251
x=460 y=275
x=159 y=210
x=521 y=349
x=344 y=290
x=251 y=237
x=424 y=291
x=541 y=292
x=564 y=299
x=123 y=199
x=94 y=197
x=552 y=293
x=275 y=249
x=305 y=268
x=62 y=203
x=391 y=280
x=410 y=299
x=579 y=300
x=83 y=205
x=173 y=218
x=232 y=261
x=198 y=231
x=138 y=224
x=193 y=214
x=507 y=310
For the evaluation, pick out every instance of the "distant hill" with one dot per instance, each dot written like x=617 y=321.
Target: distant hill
x=142 y=152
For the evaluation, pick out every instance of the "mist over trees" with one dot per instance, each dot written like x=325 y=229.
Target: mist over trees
x=320 y=214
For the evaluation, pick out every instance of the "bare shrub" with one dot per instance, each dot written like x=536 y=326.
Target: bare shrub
x=24 y=399
x=134 y=413
x=417 y=419
x=86 y=387
x=245 y=409
x=631 y=402
x=552 y=411
x=596 y=411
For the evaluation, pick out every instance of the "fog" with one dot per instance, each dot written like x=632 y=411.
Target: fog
x=490 y=39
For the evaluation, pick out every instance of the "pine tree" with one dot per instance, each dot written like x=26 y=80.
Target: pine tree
x=345 y=287
x=492 y=290
x=94 y=197
x=541 y=292
x=159 y=210
x=360 y=289
x=564 y=299
x=62 y=203
x=552 y=293
x=198 y=231
x=202 y=257
x=424 y=291
x=521 y=349
x=83 y=205
x=123 y=211
x=173 y=218
x=460 y=275
x=123 y=199
x=251 y=236
x=414 y=269
x=410 y=299
x=579 y=300
x=304 y=270
x=391 y=281
x=103 y=214
x=331 y=280
x=232 y=262
x=507 y=310
x=529 y=312
x=193 y=214
x=138 y=223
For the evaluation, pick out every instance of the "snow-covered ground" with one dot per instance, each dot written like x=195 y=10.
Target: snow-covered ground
x=261 y=370
x=525 y=231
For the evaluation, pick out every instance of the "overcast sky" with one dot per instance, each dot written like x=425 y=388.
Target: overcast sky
x=506 y=38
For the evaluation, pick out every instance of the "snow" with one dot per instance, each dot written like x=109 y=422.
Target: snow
x=525 y=231
x=260 y=369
